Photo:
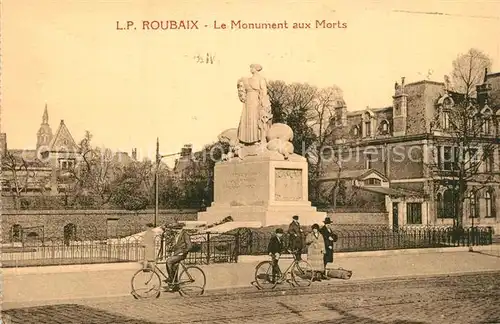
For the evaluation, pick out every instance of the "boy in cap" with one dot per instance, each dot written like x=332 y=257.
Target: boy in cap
x=296 y=237
x=274 y=249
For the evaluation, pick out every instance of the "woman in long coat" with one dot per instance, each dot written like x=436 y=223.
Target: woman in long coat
x=315 y=252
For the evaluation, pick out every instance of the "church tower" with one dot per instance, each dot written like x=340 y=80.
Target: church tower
x=44 y=135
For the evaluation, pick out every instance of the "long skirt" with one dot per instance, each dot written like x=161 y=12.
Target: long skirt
x=315 y=259
x=248 y=130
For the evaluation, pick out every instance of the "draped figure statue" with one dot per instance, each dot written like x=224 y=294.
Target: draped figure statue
x=256 y=116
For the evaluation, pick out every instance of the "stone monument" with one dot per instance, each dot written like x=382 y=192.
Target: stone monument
x=260 y=179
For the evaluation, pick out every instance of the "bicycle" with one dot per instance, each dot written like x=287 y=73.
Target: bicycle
x=153 y=275
x=300 y=270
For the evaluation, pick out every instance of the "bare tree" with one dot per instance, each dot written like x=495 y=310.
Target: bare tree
x=321 y=119
x=93 y=176
x=18 y=178
x=464 y=154
x=468 y=71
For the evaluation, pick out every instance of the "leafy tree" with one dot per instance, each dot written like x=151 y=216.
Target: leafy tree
x=132 y=187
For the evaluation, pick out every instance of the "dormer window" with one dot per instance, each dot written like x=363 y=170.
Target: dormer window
x=367 y=124
x=487 y=113
x=447 y=103
x=446 y=120
x=486 y=126
x=355 y=131
x=384 y=127
x=368 y=129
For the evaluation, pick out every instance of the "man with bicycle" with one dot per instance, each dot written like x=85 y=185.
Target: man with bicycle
x=274 y=249
x=177 y=250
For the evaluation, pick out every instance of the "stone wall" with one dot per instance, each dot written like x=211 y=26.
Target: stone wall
x=340 y=218
x=91 y=224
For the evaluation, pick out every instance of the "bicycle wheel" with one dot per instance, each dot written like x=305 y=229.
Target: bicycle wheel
x=192 y=281
x=302 y=273
x=264 y=275
x=146 y=283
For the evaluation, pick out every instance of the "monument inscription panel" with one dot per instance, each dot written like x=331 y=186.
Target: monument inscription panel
x=288 y=184
x=241 y=183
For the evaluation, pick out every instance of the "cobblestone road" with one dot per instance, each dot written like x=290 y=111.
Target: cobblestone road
x=446 y=299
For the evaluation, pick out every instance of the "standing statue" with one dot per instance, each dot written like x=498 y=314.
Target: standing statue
x=256 y=117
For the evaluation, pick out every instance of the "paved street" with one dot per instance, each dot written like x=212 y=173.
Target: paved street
x=471 y=298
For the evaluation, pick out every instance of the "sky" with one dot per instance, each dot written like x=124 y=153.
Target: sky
x=128 y=87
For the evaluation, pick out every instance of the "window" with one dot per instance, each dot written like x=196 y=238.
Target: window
x=369 y=161
x=373 y=182
x=355 y=131
x=368 y=128
x=439 y=160
x=488 y=204
x=66 y=164
x=474 y=158
x=473 y=212
x=17 y=233
x=439 y=205
x=384 y=127
x=450 y=198
x=486 y=126
x=488 y=162
x=446 y=120
x=447 y=158
x=414 y=213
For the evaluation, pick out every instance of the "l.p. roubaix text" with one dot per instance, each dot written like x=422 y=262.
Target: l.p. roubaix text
x=159 y=24
x=240 y=24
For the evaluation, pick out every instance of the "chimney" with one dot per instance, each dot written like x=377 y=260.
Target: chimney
x=485 y=74
x=134 y=154
x=187 y=151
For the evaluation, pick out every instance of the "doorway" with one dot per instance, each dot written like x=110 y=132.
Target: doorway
x=395 y=215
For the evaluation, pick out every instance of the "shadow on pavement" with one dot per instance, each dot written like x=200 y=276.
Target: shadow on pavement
x=348 y=318
x=487 y=254
x=67 y=313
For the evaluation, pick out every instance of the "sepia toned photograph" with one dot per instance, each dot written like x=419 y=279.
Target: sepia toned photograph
x=250 y=161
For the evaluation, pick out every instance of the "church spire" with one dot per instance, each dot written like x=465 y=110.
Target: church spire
x=45 y=118
x=44 y=135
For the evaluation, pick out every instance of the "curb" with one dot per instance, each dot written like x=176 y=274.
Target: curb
x=379 y=253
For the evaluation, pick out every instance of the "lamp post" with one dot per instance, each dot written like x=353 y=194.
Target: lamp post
x=158 y=160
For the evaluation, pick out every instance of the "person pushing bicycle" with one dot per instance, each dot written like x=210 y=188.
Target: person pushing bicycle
x=274 y=249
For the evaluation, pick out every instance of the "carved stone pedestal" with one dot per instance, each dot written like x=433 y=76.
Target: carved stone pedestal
x=261 y=189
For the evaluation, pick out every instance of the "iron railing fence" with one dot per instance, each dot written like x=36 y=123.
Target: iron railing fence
x=372 y=238
x=209 y=248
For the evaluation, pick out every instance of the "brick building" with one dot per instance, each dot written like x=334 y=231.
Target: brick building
x=402 y=154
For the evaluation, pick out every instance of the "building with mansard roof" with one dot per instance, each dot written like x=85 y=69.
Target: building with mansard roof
x=402 y=154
